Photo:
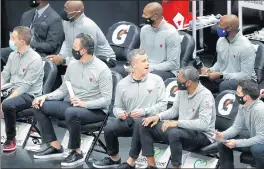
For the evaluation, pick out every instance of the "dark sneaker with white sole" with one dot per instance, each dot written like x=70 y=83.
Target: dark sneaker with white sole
x=107 y=162
x=73 y=159
x=125 y=166
x=49 y=152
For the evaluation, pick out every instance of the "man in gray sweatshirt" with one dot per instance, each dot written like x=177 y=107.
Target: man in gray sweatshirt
x=235 y=57
x=24 y=71
x=250 y=116
x=91 y=82
x=75 y=22
x=140 y=94
x=161 y=41
x=194 y=107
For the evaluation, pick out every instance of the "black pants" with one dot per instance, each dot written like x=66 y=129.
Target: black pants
x=75 y=117
x=122 y=128
x=58 y=81
x=10 y=108
x=227 y=157
x=218 y=86
x=179 y=139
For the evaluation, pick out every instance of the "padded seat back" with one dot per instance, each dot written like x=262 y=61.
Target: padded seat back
x=259 y=61
x=187 y=48
x=123 y=37
x=50 y=74
x=171 y=90
x=226 y=109
x=116 y=78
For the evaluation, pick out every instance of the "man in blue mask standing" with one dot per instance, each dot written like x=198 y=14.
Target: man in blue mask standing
x=235 y=57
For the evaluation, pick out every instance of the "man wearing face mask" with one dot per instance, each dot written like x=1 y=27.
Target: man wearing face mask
x=46 y=29
x=24 y=71
x=75 y=22
x=194 y=107
x=92 y=86
x=250 y=115
x=130 y=107
x=161 y=41
x=235 y=57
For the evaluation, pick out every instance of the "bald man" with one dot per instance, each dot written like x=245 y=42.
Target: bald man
x=161 y=41
x=235 y=57
x=75 y=22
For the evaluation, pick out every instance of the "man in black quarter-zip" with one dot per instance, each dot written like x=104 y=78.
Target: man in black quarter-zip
x=140 y=94
x=92 y=86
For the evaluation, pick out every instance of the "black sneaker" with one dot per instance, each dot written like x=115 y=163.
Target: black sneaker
x=49 y=152
x=125 y=166
x=151 y=167
x=107 y=162
x=73 y=159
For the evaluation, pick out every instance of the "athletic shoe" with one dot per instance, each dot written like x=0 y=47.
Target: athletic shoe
x=49 y=152
x=73 y=158
x=107 y=162
x=9 y=145
x=125 y=166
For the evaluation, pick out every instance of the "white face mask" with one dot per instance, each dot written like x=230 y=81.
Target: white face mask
x=12 y=45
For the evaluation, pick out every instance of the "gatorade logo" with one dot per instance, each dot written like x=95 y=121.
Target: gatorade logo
x=226 y=104
x=120 y=34
x=200 y=163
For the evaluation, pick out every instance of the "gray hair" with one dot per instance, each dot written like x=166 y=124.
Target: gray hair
x=132 y=54
x=190 y=73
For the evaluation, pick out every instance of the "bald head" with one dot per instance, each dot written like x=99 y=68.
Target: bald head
x=231 y=21
x=76 y=5
x=153 y=8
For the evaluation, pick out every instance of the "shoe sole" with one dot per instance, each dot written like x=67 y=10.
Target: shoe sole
x=105 y=166
x=73 y=163
x=8 y=150
x=49 y=156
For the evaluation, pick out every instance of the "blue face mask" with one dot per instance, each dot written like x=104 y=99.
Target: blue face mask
x=12 y=45
x=222 y=32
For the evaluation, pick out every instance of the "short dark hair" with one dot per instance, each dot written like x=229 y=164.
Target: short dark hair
x=133 y=53
x=24 y=33
x=190 y=73
x=87 y=42
x=249 y=88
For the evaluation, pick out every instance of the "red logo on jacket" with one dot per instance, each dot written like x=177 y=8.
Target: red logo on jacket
x=91 y=79
x=149 y=90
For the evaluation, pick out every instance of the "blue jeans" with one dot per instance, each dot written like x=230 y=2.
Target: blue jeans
x=227 y=158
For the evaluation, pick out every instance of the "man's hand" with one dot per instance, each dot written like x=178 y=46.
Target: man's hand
x=122 y=115
x=219 y=135
x=261 y=93
x=231 y=143
x=38 y=102
x=76 y=102
x=154 y=120
x=111 y=62
x=58 y=60
x=136 y=113
x=214 y=75
x=169 y=123
x=205 y=71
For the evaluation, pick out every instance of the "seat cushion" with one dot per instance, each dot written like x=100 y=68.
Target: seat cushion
x=210 y=149
x=85 y=128
x=247 y=158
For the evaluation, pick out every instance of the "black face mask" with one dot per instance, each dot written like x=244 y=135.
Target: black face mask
x=76 y=54
x=181 y=86
x=240 y=99
x=33 y=3
x=64 y=16
x=148 y=21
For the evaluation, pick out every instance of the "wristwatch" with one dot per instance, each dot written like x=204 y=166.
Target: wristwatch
x=221 y=76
